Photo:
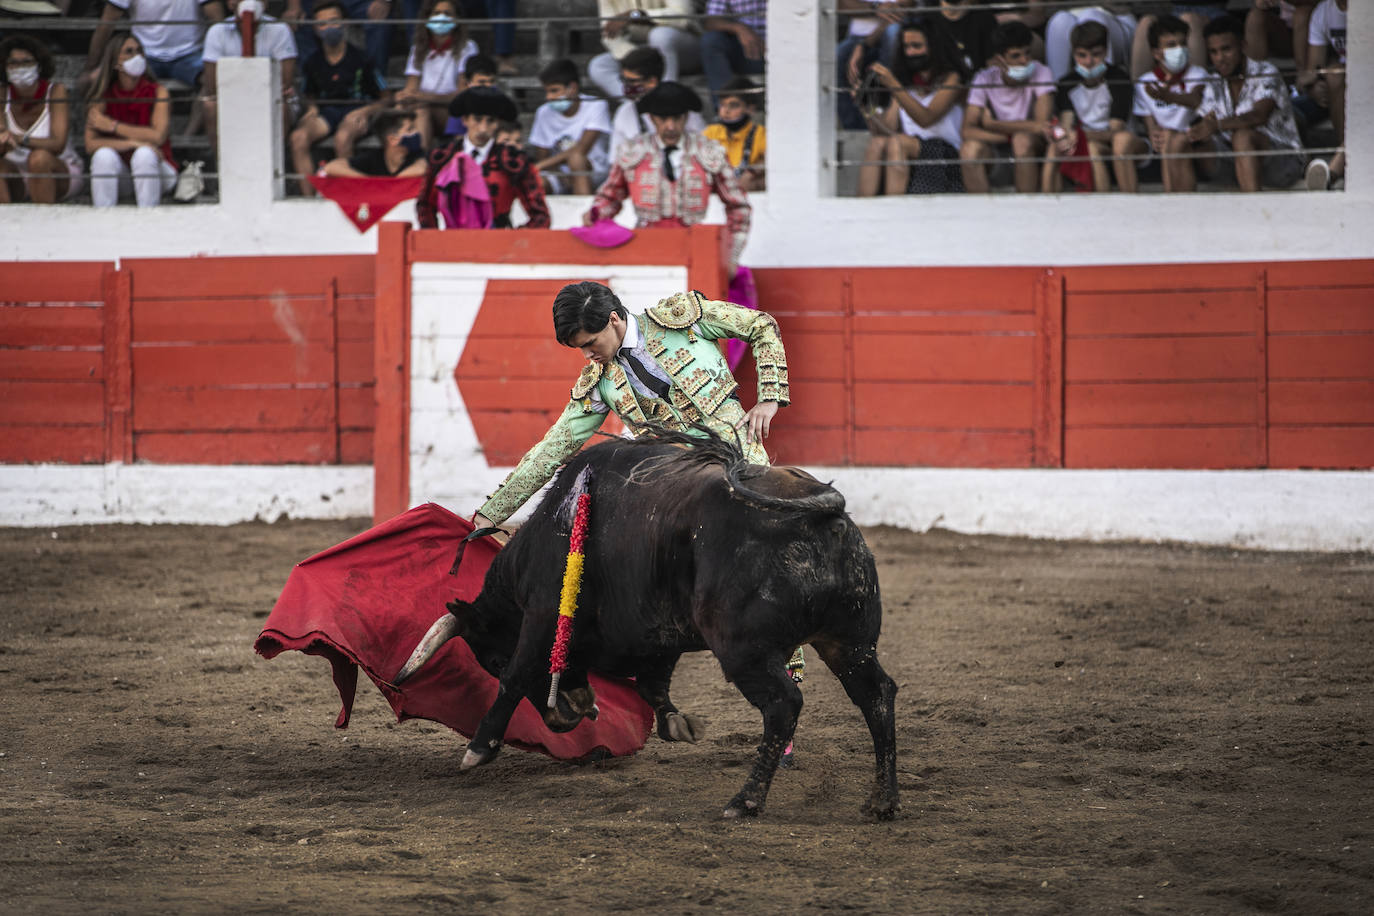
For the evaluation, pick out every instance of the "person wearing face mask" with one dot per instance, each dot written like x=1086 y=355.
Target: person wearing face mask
x=270 y=39
x=640 y=73
x=571 y=134
x=666 y=26
x=343 y=93
x=1094 y=105
x=376 y=36
x=1167 y=99
x=128 y=117
x=400 y=156
x=1008 y=113
x=434 y=70
x=922 y=123
x=740 y=132
x=1116 y=18
x=506 y=170
x=669 y=175
x=35 y=138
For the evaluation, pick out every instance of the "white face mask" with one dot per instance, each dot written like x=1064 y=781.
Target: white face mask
x=135 y=66
x=24 y=77
x=1175 y=58
x=250 y=6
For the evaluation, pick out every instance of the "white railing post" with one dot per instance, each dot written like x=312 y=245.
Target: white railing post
x=250 y=141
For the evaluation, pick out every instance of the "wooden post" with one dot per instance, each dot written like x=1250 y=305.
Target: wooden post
x=1262 y=368
x=851 y=420
x=1047 y=436
x=331 y=302
x=117 y=286
x=391 y=435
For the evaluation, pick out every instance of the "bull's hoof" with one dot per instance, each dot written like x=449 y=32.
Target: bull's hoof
x=475 y=757
x=742 y=807
x=882 y=806
x=682 y=727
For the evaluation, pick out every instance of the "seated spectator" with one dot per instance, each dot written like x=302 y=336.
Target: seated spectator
x=480 y=70
x=1094 y=105
x=128 y=117
x=35 y=140
x=1195 y=15
x=922 y=122
x=968 y=31
x=733 y=40
x=1326 y=69
x=1167 y=99
x=171 y=33
x=571 y=135
x=667 y=26
x=270 y=39
x=342 y=90
x=1114 y=17
x=640 y=72
x=434 y=70
x=400 y=155
x=868 y=40
x=507 y=172
x=510 y=133
x=669 y=175
x=739 y=131
x=1008 y=113
x=502 y=33
x=377 y=36
x=1246 y=110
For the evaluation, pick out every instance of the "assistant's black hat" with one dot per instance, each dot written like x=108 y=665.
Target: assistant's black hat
x=483 y=100
x=669 y=100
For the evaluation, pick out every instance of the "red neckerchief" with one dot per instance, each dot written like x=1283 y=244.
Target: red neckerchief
x=920 y=81
x=40 y=98
x=1170 y=79
x=442 y=46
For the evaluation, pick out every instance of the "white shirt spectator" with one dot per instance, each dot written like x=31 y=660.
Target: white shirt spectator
x=1327 y=27
x=165 y=42
x=1167 y=114
x=1262 y=81
x=949 y=128
x=271 y=39
x=558 y=132
x=628 y=123
x=441 y=69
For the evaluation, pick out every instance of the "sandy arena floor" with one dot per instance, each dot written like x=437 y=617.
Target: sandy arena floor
x=1081 y=728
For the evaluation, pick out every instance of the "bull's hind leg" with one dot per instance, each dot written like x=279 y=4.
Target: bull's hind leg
x=768 y=686
x=652 y=682
x=874 y=693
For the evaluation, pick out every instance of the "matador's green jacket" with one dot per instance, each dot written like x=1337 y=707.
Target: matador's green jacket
x=680 y=334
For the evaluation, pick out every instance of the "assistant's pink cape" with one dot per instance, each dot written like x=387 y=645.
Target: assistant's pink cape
x=365 y=604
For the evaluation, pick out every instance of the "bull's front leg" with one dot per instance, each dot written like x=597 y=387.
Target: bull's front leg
x=652 y=682
x=524 y=665
x=766 y=684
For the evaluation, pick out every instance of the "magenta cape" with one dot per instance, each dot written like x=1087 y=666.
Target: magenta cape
x=365 y=604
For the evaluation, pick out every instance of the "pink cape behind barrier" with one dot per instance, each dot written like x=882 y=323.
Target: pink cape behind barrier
x=365 y=604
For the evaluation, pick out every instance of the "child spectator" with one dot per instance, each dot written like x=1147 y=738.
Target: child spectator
x=640 y=73
x=1247 y=110
x=968 y=31
x=923 y=121
x=480 y=71
x=743 y=137
x=510 y=133
x=1114 y=17
x=400 y=155
x=35 y=139
x=1167 y=99
x=128 y=117
x=1008 y=114
x=342 y=89
x=1194 y=15
x=571 y=134
x=270 y=39
x=1326 y=69
x=733 y=42
x=171 y=33
x=507 y=173
x=667 y=26
x=434 y=71
x=1094 y=105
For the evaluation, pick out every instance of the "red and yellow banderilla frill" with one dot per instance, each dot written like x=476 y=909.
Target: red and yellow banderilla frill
x=567 y=602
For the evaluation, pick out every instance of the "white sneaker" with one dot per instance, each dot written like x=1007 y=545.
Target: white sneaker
x=1318 y=175
x=190 y=182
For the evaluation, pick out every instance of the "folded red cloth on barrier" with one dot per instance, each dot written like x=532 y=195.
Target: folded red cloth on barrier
x=365 y=604
x=366 y=200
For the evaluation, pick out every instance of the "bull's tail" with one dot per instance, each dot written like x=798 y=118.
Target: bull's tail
x=444 y=629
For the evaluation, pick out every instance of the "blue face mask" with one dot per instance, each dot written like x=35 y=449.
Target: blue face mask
x=1176 y=59
x=441 y=24
x=413 y=143
x=1020 y=74
x=332 y=35
x=1091 y=73
x=561 y=105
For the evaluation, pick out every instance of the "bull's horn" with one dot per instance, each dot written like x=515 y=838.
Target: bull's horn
x=444 y=629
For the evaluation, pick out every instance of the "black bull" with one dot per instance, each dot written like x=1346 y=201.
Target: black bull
x=688 y=547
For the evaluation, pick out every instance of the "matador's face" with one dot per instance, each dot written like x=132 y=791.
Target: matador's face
x=601 y=347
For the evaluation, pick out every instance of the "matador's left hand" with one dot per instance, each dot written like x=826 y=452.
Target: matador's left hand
x=758 y=419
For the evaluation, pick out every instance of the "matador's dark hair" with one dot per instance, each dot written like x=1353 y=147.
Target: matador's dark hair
x=584 y=306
